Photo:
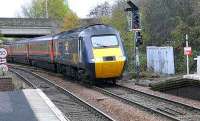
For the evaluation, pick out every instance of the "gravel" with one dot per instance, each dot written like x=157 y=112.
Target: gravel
x=187 y=101
x=112 y=107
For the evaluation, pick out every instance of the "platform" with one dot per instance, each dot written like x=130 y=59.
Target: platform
x=28 y=105
x=192 y=76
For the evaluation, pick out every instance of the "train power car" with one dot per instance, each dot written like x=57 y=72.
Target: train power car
x=95 y=51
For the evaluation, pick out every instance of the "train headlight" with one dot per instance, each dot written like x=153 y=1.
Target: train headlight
x=122 y=58
x=97 y=60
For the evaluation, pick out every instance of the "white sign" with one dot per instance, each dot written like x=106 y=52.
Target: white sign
x=2 y=60
x=4 y=67
x=3 y=53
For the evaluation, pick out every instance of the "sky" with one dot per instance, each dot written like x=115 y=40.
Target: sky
x=82 y=7
x=12 y=8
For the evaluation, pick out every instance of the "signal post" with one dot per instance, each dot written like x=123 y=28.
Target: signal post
x=135 y=27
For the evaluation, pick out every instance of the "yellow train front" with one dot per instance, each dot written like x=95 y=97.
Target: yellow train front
x=104 y=52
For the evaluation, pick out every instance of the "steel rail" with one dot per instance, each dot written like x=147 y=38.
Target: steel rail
x=168 y=112
x=134 y=103
x=23 y=78
x=66 y=92
x=161 y=98
x=159 y=111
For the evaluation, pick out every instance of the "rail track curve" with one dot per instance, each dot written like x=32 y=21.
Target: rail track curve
x=74 y=108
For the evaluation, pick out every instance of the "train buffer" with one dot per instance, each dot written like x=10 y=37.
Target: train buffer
x=28 y=105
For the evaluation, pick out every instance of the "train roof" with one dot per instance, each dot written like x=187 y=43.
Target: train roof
x=42 y=38
x=73 y=32
x=80 y=29
x=83 y=28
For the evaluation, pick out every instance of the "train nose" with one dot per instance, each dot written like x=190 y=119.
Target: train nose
x=108 y=69
x=109 y=63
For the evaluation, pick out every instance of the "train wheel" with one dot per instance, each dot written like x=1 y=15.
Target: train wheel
x=114 y=82
x=55 y=68
x=91 y=82
x=12 y=59
x=30 y=62
x=77 y=76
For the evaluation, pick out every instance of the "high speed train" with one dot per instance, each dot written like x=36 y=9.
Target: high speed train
x=95 y=51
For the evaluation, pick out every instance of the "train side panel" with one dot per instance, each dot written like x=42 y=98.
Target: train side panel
x=9 y=51
x=40 y=51
x=20 y=52
x=66 y=51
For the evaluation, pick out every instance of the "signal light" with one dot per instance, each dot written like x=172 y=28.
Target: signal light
x=136 y=20
x=139 y=40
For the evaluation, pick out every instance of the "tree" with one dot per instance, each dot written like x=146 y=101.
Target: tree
x=101 y=10
x=71 y=21
x=166 y=23
x=37 y=9
x=57 y=10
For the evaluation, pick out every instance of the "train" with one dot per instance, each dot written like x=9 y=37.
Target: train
x=95 y=51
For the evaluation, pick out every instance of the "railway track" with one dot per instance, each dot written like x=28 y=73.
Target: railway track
x=170 y=109
x=72 y=106
x=157 y=105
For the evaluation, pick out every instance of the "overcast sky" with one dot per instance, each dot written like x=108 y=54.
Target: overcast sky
x=82 y=7
x=10 y=8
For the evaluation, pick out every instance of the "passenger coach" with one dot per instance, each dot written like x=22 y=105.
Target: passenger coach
x=95 y=51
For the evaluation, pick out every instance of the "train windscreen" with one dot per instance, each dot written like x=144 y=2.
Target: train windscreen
x=104 y=41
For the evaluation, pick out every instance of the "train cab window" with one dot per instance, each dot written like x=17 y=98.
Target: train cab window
x=104 y=41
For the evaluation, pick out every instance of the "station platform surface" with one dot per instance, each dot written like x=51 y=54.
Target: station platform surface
x=192 y=76
x=28 y=105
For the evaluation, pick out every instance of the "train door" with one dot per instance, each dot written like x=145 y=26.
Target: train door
x=80 y=58
x=80 y=50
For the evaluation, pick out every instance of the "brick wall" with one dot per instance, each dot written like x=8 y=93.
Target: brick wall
x=6 y=84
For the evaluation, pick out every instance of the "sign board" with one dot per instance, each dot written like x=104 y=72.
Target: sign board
x=2 y=60
x=3 y=53
x=188 y=51
x=4 y=67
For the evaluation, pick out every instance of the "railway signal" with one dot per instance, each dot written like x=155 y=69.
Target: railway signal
x=135 y=27
x=135 y=24
x=139 y=40
x=136 y=20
